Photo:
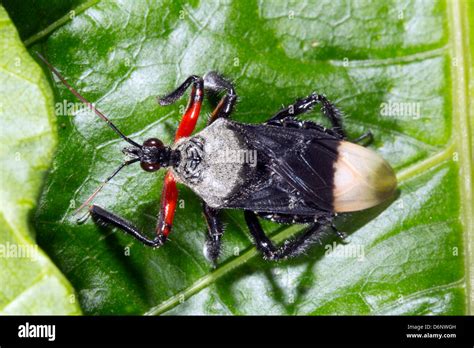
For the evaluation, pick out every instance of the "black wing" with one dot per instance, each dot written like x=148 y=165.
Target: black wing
x=295 y=170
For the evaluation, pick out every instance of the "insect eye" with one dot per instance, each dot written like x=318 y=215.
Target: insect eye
x=153 y=142
x=150 y=167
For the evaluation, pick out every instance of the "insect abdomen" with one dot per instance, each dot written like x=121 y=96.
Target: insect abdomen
x=362 y=178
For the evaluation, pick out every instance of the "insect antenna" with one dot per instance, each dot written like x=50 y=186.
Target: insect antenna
x=99 y=188
x=85 y=101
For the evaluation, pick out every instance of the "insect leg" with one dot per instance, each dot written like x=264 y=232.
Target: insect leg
x=212 y=81
x=178 y=92
x=291 y=122
x=107 y=217
x=364 y=140
x=367 y=138
x=191 y=115
x=216 y=83
x=293 y=219
x=165 y=220
x=306 y=104
x=169 y=200
x=290 y=248
x=215 y=232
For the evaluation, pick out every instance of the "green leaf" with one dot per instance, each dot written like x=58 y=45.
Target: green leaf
x=408 y=256
x=29 y=281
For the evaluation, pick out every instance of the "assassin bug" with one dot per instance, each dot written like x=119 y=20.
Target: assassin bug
x=304 y=172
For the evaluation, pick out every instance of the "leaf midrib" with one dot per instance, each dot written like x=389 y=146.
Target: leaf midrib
x=59 y=23
x=460 y=125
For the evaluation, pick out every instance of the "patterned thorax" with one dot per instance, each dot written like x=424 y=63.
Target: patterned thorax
x=213 y=162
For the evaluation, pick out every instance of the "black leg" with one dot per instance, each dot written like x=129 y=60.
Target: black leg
x=295 y=219
x=178 y=92
x=293 y=123
x=364 y=140
x=102 y=215
x=216 y=83
x=367 y=138
x=215 y=230
x=341 y=235
x=306 y=104
x=304 y=219
x=290 y=248
x=212 y=81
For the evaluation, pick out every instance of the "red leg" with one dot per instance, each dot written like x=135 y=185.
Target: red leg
x=169 y=200
x=188 y=123
x=169 y=196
